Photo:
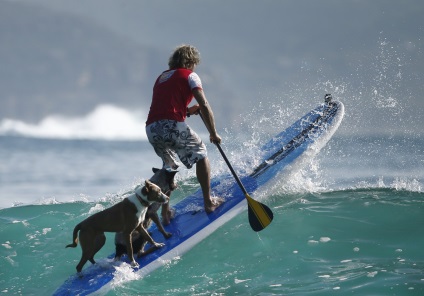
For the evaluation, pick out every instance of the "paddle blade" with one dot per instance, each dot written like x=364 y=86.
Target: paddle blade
x=260 y=216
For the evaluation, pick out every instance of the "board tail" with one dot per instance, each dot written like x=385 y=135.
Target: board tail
x=75 y=237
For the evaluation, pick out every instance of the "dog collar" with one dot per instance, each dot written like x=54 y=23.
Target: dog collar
x=140 y=198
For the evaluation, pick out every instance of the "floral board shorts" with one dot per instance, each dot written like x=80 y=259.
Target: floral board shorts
x=172 y=138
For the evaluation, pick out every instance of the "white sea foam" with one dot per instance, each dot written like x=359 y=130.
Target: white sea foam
x=124 y=273
x=324 y=239
x=105 y=122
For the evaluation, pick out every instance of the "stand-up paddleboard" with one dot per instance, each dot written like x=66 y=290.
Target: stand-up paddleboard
x=191 y=223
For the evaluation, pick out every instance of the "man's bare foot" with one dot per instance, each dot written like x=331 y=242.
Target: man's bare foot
x=167 y=216
x=214 y=203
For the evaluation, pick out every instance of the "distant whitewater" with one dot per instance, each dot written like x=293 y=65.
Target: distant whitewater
x=105 y=122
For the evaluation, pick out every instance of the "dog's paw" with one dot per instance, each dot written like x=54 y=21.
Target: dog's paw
x=167 y=234
x=159 y=245
x=134 y=264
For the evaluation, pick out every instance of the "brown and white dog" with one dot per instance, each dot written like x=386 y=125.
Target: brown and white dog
x=125 y=216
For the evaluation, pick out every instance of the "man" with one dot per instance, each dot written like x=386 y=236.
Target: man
x=166 y=129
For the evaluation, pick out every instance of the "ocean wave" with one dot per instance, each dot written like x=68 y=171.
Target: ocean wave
x=280 y=191
x=307 y=181
x=345 y=239
x=105 y=122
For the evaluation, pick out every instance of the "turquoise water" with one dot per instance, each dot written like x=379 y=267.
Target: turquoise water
x=350 y=222
x=362 y=242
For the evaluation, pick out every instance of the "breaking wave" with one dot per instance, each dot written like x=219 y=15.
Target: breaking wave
x=105 y=122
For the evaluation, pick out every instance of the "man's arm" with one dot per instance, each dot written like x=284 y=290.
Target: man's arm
x=207 y=114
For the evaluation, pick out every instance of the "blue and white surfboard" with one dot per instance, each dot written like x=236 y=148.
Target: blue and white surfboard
x=191 y=223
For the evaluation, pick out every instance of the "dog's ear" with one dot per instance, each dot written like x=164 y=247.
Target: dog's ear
x=171 y=174
x=155 y=170
x=148 y=185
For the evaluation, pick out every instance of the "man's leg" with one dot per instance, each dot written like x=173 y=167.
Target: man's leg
x=203 y=176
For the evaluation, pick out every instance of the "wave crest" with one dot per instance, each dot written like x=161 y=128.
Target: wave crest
x=105 y=122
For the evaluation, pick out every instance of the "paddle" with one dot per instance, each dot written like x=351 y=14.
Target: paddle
x=260 y=216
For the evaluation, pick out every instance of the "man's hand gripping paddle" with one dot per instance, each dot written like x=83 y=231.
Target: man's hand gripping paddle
x=260 y=216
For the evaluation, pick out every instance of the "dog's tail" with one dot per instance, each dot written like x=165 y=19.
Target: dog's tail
x=75 y=237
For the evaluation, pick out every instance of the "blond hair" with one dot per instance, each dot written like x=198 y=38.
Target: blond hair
x=184 y=56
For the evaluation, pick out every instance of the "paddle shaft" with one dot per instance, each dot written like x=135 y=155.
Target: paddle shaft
x=231 y=169
x=227 y=161
x=260 y=216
